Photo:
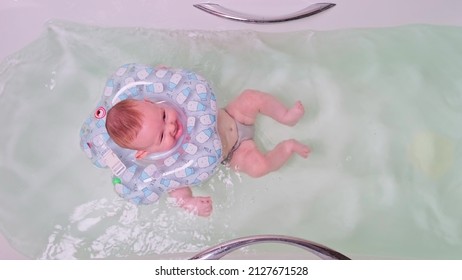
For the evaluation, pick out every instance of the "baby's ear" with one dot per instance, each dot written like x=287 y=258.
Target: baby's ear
x=140 y=154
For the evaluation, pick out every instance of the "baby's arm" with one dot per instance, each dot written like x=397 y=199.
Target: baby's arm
x=199 y=205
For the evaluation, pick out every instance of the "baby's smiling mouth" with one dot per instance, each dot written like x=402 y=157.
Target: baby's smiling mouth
x=178 y=129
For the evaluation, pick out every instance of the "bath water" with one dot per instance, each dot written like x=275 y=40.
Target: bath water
x=383 y=118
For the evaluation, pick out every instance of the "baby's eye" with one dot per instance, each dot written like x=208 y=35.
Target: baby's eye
x=164 y=116
x=161 y=137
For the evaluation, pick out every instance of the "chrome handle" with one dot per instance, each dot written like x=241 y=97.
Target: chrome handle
x=220 y=250
x=217 y=10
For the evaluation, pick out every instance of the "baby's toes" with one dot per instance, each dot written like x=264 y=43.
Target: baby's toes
x=306 y=152
x=299 y=106
x=303 y=150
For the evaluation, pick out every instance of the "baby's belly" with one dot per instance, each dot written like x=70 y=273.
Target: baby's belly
x=227 y=131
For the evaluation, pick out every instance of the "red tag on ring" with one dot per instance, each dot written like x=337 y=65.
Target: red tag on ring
x=100 y=113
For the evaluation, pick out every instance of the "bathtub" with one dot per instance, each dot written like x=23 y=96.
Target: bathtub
x=21 y=21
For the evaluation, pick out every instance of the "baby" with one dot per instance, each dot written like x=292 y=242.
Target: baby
x=149 y=127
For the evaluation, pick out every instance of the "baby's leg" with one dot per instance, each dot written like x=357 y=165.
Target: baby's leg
x=250 y=103
x=199 y=205
x=248 y=159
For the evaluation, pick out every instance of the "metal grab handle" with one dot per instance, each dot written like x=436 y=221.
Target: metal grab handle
x=220 y=250
x=217 y=10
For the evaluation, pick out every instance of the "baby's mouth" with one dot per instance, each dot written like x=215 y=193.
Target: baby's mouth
x=179 y=130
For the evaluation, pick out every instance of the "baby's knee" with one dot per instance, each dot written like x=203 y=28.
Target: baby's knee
x=258 y=168
x=257 y=173
x=251 y=95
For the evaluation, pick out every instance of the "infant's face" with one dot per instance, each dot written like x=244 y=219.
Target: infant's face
x=160 y=129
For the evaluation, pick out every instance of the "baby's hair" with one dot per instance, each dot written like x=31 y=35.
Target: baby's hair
x=123 y=122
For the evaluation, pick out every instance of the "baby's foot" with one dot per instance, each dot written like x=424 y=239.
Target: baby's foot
x=299 y=148
x=199 y=205
x=295 y=113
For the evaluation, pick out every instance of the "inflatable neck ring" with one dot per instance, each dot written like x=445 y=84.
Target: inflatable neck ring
x=190 y=162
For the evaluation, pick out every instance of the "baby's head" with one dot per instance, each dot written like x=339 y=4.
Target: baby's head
x=144 y=126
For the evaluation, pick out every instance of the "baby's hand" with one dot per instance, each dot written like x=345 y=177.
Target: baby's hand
x=199 y=205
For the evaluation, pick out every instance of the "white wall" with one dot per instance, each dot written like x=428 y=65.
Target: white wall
x=21 y=21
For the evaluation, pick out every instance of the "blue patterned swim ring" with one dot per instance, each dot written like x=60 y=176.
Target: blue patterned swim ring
x=195 y=156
